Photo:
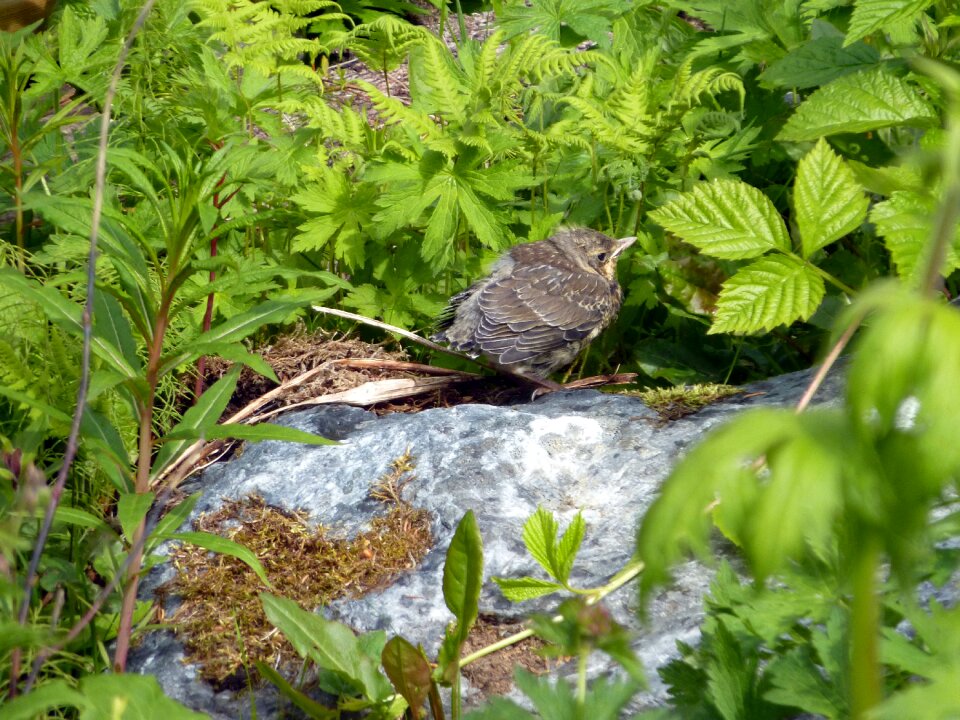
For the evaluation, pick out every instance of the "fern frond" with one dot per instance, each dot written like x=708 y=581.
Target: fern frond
x=394 y=111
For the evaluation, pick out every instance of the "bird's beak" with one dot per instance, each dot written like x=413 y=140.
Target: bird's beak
x=623 y=244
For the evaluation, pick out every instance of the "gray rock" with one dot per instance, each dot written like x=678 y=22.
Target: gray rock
x=604 y=455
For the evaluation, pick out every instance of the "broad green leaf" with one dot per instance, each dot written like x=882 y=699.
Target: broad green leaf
x=409 y=672
x=217 y=544
x=725 y=219
x=871 y=15
x=261 y=431
x=106 y=447
x=67 y=315
x=774 y=290
x=936 y=699
x=199 y=418
x=132 y=508
x=130 y=697
x=463 y=574
x=905 y=222
x=314 y=710
x=525 y=588
x=717 y=469
x=818 y=62
x=805 y=476
x=827 y=199
x=41 y=701
x=857 y=103
x=437 y=247
x=332 y=645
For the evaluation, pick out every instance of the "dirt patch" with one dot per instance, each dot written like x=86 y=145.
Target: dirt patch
x=493 y=674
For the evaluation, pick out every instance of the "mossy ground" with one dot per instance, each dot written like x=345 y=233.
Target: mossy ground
x=220 y=619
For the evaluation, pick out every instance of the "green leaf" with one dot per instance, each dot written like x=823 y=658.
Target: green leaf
x=463 y=574
x=132 y=508
x=332 y=645
x=857 y=103
x=828 y=201
x=525 y=588
x=261 y=431
x=871 y=15
x=217 y=544
x=80 y=518
x=311 y=707
x=774 y=290
x=65 y=314
x=131 y=697
x=13 y=634
x=540 y=537
x=905 y=222
x=41 y=701
x=409 y=672
x=818 y=62
x=234 y=352
x=725 y=219
x=170 y=522
x=111 y=324
x=569 y=546
x=198 y=419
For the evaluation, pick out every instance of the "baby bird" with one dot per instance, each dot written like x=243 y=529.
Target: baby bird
x=540 y=305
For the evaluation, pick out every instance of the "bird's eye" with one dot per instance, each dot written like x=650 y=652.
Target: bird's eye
x=601 y=257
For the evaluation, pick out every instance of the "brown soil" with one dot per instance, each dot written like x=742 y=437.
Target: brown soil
x=493 y=674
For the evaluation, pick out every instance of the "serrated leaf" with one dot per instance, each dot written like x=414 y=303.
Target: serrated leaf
x=726 y=219
x=569 y=546
x=463 y=574
x=774 y=290
x=828 y=201
x=871 y=15
x=540 y=537
x=525 y=588
x=905 y=222
x=857 y=103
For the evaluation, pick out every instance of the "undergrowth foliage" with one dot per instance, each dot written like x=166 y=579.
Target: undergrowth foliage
x=775 y=160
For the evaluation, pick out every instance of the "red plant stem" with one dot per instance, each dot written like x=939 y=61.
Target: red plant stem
x=208 y=313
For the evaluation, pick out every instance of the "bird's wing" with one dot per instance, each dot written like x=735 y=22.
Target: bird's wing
x=539 y=309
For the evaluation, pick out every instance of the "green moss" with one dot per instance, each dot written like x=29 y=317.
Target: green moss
x=674 y=403
x=220 y=619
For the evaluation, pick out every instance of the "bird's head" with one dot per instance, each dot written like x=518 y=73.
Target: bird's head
x=598 y=251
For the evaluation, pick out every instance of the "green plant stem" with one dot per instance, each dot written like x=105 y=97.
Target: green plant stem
x=865 y=679
x=582 y=678
x=460 y=22
x=836 y=282
x=628 y=573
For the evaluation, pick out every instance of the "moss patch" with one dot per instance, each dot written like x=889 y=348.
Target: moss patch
x=220 y=619
x=674 y=403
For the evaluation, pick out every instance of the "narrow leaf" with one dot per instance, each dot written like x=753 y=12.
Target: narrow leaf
x=774 y=290
x=132 y=508
x=540 y=537
x=314 y=710
x=569 y=546
x=726 y=219
x=463 y=574
x=525 y=588
x=259 y=432
x=217 y=544
x=198 y=419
